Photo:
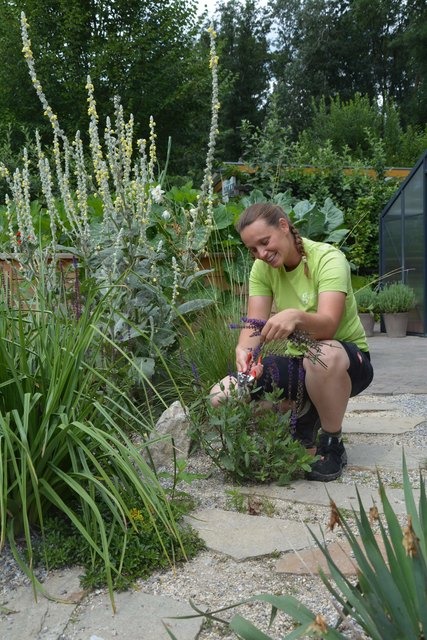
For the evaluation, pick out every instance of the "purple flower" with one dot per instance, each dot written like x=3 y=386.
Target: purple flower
x=255 y=324
x=272 y=371
x=249 y=323
x=196 y=376
x=293 y=422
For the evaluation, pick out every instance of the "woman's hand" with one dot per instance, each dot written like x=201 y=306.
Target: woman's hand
x=243 y=359
x=257 y=370
x=281 y=325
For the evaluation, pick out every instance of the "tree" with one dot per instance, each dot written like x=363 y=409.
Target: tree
x=244 y=58
x=414 y=44
x=143 y=50
x=336 y=48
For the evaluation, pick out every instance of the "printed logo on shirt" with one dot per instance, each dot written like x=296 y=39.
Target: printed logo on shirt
x=308 y=297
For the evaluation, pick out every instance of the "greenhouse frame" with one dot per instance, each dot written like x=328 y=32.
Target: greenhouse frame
x=403 y=241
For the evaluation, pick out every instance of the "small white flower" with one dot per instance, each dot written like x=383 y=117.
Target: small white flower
x=157 y=194
x=166 y=215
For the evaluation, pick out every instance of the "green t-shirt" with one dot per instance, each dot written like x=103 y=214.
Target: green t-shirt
x=329 y=271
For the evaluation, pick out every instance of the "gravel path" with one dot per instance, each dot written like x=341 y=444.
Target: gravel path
x=212 y=580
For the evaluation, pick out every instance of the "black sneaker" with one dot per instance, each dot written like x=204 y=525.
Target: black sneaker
x=333 y=459
x=307 y=428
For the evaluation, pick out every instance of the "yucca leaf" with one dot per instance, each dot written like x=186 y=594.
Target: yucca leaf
x=400 y=570
x=348 y=595
x=246 y=629
x=380 y=579
x=394 y=538
x=411 y=508
x=419 y=568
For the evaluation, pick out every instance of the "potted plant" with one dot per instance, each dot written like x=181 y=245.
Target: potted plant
x=395 y=301
x=366 y=300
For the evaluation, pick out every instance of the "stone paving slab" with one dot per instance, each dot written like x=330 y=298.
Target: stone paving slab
x=372 y=456
x=317 y=493
x=392 y=423
x=359 y=404
x=308 y=561
x=139 y=616
x=392 y=386
x=399 y=365
x=242 y=536
x=44 y=619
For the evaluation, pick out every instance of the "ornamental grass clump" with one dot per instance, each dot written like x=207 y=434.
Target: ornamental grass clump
x=65 y=441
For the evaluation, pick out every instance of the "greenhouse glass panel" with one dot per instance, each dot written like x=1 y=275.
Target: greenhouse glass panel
x=403 y=241
x=392 y=242
x=414 y=243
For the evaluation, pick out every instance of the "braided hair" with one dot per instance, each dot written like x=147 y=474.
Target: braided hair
x=272 y=214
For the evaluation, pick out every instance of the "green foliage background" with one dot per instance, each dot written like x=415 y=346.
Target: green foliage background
x=367 y=72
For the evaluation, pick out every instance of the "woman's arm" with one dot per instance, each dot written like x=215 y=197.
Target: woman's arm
x=321 y=325
x=259 y=307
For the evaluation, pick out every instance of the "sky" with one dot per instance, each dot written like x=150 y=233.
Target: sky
x=211 y=4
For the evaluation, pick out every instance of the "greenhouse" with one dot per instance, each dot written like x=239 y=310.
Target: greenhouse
x=403 y=238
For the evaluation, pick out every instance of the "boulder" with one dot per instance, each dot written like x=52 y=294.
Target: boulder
x=173 y=427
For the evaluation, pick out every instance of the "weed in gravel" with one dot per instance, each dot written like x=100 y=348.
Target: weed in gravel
x=236 y=501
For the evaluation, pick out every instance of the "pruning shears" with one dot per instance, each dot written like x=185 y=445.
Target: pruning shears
x=246 y=379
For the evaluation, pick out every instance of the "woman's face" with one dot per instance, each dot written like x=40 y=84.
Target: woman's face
x=273 y=245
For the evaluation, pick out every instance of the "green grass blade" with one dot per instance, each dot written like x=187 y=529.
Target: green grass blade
x=79 y=491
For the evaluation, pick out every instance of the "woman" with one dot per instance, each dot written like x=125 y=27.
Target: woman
x=310 y=285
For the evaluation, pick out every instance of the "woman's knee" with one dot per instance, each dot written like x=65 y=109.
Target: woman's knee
x=332 y=358
x=216 y=395
x=221 y=390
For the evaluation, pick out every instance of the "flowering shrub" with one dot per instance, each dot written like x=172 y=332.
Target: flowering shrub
x=117 y=246
x=251 y=445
